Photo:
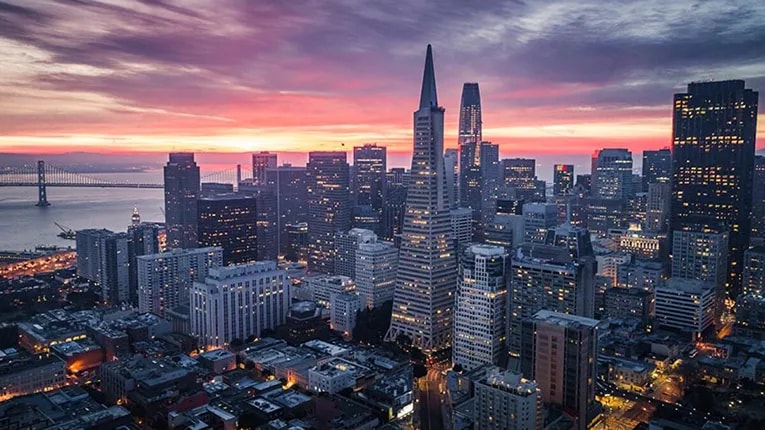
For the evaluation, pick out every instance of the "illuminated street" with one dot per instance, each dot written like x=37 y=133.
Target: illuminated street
x=48 y=263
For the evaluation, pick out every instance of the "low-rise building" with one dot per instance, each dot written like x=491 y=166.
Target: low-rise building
x=22 y=373
x=334 y=375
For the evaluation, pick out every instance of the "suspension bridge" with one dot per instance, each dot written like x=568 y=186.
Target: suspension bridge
x=43 y=175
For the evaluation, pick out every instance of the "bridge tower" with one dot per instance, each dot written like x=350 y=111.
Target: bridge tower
x=42 y=195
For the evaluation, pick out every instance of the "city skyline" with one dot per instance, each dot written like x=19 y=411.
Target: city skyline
x=231 y=80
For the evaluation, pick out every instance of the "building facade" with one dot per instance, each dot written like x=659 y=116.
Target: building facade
x=505 y=400
x=426 y=279
x=714 y=125
x=165 y=280
x=236 y=302
x=329 y=208
x=181 y=192
x=480 y=307
x=229 y=221
x=376 y=267
x=560 y=352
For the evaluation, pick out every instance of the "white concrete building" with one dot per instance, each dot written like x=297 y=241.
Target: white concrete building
x=685 y=304
x=235 y=302
x=480 y=307
x=376 y=265
x=342 y=315
x=165 y=279
x=320 y=288
x=334 y=375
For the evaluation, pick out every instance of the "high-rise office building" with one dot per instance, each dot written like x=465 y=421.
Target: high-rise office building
x=229 y=221
x=714 y=126
x=657 y=167
x=451 y=163
x=115 y=268
x=236 y=302
x=758 y=199
x=470 y=123
x=104 y=258
x=563 y=178
x=88 y=244
x=700 y=254
x=181 y=193
x=329 y=208
x=657 y=207
x=754 y=271
x=480 y=307
x=321 y=287
x=505 y=400
x=376 y=267
x=506 y=230
x=370 y=164
x=612 y=174
x=291 y=191
x=426 y=279
x=519 y=178
x=165 y=279
x=469 y=143
x=538 y=219
x=560 y=352
x=261 y=162
x=144 y=238
x=395 y=202
x=346 y=245
x=462 y=227
x=557 y=276
x=491 y=178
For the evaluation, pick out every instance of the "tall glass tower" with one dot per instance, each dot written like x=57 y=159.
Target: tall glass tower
x=181 y=193
x=713 y=164
x=427 y=271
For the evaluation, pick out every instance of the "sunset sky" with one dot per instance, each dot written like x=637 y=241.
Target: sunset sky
x=232 y=75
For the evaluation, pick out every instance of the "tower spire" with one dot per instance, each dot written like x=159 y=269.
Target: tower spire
x=428 y=96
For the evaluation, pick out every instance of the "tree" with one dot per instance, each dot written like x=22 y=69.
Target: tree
x=419 y=370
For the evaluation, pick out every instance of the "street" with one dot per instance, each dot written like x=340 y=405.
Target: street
x=431 y=416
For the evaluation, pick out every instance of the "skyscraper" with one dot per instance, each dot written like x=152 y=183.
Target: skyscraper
x=469 y=144
x=426 y=279
x=181 y=192
x=758 y=198
x=261 y=162
x=480 y=307
x=291 y=190
x=657 y=167
x=563 y=178
x=538 y=219
x=451 y=161
x=470 y=123
x=714 y=126
x=329 y=208
x=657 y=206
x=395 y=202
x=370 y=163
x=229 y=221
x=560 y=352
x=612 y=174
x=519 y=179
x=557 y=276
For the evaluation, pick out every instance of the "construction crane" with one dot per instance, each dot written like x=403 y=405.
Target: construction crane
x=66 y=232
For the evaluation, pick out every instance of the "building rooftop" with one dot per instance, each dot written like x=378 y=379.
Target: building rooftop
x=264 y=405
x=564 y=320
x=688 y=286
x=326 y=348
x=217 y=354
x=239 y=270
x=487 y=250
x=511 y=382
x=337 y=366
x=180 y=252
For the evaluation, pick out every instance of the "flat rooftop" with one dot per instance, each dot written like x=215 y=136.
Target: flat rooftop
x=564 y=320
